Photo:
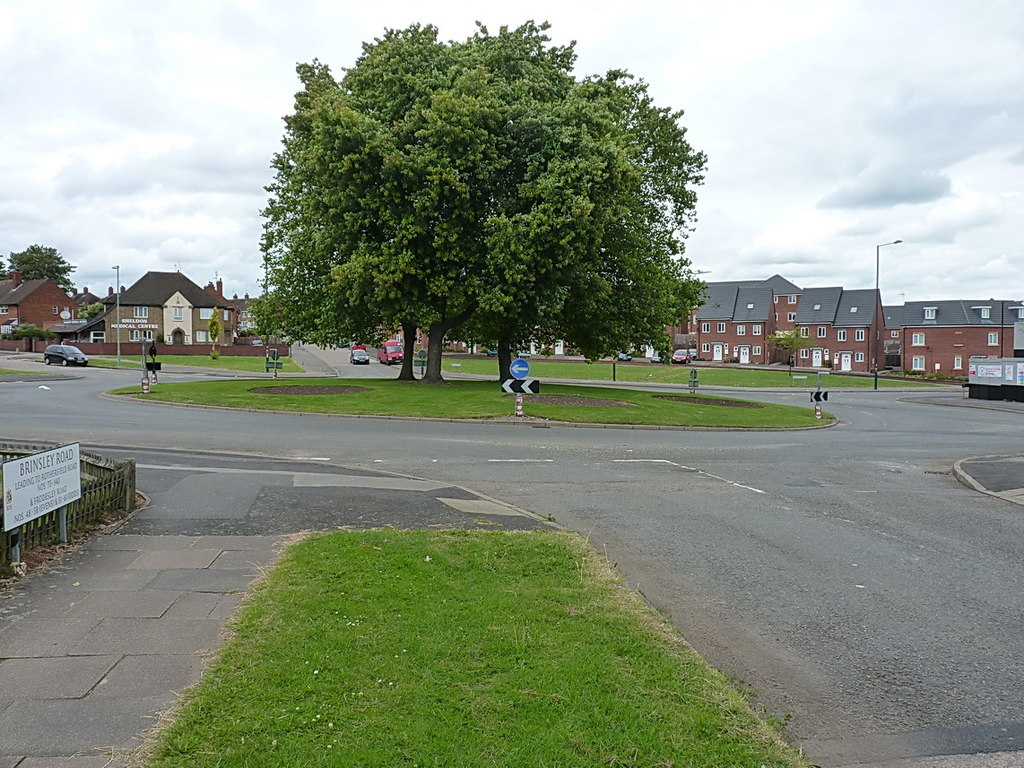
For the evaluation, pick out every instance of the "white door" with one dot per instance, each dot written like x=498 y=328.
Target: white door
x=559 y=347
x=845 y=361
x=816 y=358
x=744 y=354
x=718 y=353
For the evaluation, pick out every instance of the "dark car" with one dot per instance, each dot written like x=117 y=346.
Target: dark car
x=359 y=357
x=681 y=356
x=65 y=354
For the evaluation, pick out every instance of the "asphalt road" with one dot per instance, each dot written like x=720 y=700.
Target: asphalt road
x=843 y=574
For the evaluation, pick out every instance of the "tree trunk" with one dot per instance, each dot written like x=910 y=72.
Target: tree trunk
x=435 y=344
x=409 y=352
x=504 y=358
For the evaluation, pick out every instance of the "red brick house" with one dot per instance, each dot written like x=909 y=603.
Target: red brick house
x=844 y=326
x=942 y=336
x=737 y=317
x=33 y=302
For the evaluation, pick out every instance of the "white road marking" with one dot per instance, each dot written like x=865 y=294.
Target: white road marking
x=523 y=461
x=315 y=479
x=689 y=469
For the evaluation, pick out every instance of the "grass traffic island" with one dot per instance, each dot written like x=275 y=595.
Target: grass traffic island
x=248 y=363
x=482 y=400
x=454 y=648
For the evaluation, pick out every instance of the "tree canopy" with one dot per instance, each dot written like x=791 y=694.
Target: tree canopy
x=478 y=188
x=38 y=262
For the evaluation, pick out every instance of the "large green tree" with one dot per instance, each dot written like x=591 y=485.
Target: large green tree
x=478 y=185
x=37 y=262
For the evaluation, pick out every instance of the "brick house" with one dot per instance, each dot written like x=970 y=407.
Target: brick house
x=737 y=317
x=163 y=306
x=942 y=336
x=33 y=302
x=844 y=325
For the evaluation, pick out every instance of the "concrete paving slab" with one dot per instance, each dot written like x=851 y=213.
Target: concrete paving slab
x=151 y=636
x=10 y=761
x=241 y=543
x=77 y=726
x=29 y=637
x=118 y=580
x=205 y=580
x=150 y=676
x=147 y=543
x=146 y=603
x=249 y=558
x=63 y=677
x=49 y=603
x=194 y=605
x=189 y=558
x=227 y=605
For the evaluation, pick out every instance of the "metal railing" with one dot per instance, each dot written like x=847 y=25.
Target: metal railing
x=107 y=487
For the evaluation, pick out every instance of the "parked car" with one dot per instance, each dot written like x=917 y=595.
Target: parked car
x=65 y=354
x=681 y=356
x=390 y=352
x=355 y=345
x=257 y=343
x=655 y=358
x=491 y=352
x=623 y=357
x=359 y=357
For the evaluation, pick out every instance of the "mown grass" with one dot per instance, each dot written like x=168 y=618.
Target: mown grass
x=459 y=649
x=479 y=400
x=674 y=374
x=14 y=372
x=224 y=362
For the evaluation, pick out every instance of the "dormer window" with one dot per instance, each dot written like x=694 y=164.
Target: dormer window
x=984 y=312
x=853 y=310
x=929 y=313
x=1020 y=313
x=817 y=307
x=750 y=305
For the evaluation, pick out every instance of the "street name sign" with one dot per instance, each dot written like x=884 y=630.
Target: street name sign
x=41 y=483
x=519 y=368
x=521 y=387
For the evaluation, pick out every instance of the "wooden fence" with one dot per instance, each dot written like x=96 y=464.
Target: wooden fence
x=107 y=487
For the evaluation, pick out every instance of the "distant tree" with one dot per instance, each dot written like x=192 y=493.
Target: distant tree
x=3 y=271
x=791 y=341
x=31 y=332
x=89 y=311
x=215 y=330
x=38 y=262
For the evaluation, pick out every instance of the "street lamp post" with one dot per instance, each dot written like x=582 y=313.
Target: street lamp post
x=878 y=298
x=117 y=312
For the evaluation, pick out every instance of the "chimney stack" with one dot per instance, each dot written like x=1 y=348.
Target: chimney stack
x=15 y=277
x=220 y=286
x=110 y=290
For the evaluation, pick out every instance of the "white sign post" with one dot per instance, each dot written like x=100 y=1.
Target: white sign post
x=37 y=484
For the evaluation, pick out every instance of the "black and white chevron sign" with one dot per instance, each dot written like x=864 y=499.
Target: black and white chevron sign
x=521 y=386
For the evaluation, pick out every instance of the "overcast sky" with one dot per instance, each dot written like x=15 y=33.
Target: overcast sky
x=140 y=134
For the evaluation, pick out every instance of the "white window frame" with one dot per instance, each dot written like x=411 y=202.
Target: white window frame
x=56 y=309
x=205 y=313
x=894 y=334
x=4 y=309
x=140 y=312
x=805 y=332
x=804 y=354
x=721 y=327
x=791 y=317
x=227 y=314
x=917 y=340
x=178 y=314
x=958 y=363
x=705 y=347
x=917 y=364
x=776 y=298
x=993 y=339
x=859 y=334
x=841 y=335
x=930 y=312
x=756 y=351
x=858 y=357
x=792 y=298
x=201 y=337
x=705 y=327
x=822 y=331
x=986 y=312
x=756 y=330
x=741 y=330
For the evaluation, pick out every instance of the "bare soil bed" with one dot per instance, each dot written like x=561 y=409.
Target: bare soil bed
x=325 y=389
x=710 y=401
x=585 y=402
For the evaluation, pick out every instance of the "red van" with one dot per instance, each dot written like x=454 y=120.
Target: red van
x=390 y=352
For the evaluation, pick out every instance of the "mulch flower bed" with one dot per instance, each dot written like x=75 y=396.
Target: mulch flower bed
x=585 y=402
x=309 y=390
x=710 y=401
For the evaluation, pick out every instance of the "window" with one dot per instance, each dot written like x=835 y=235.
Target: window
x=757 y=350
x=917 y=364
x=917 y=340
x=817 y=307
x=200 y=336
x=756 y=330
x=750 y=305
x=803 y=354
x=97 y=337
x=986 y=312
x=993 y=339
x=227 y=314
x=4 y=309
x=958 y=363
x=859 y=335
x=792 y=298
x=791 y=317
x=178 y=313
x=840 y=335
x=929 y=313
x=741 y=330
x=894 y=334
x=137 y=335
x=705 y=327
x=805 y=331
x=705 y=347
x=205 y=313
x=721 y=327
x=859 y=357
x=853 y=310
x=1020 y=313
x=55 y=309
x=822 y=331
x=776 y=298
x=140 y=311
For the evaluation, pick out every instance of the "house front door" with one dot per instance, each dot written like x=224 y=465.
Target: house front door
x=845 y=361
x=816 y=358
x=178 y=337
x=744 y=354
x=719 y=353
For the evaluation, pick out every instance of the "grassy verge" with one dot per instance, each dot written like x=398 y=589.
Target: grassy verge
x=224 y=362
x=13 y=372
x=674 y=374
x=475 y=649
x=479 y=400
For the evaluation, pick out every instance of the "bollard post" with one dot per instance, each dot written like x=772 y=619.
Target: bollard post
x=519 y=405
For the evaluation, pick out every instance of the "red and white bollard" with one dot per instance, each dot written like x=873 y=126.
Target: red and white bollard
x=519 y=405
x=145 y=385
x=817 y=410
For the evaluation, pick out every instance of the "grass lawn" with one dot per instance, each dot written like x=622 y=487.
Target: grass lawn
x=13 y=372
x=480 y=400
x=458 y=649
x=224 y=362
x=674 y=374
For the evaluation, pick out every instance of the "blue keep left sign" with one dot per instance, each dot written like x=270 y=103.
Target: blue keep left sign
x=519 y=368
